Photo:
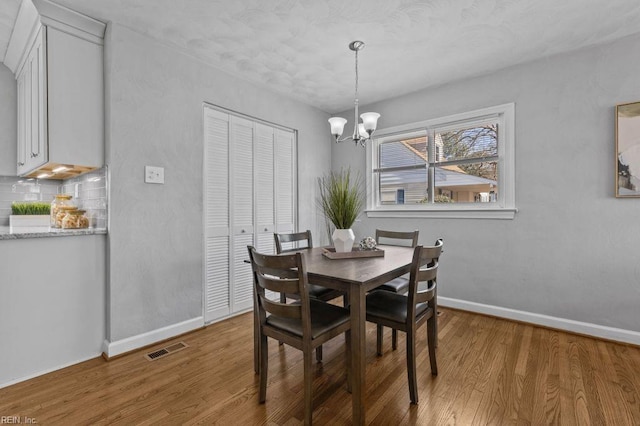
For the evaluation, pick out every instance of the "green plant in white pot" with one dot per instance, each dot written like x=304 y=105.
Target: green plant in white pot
x=341 y=200
x=29 y=214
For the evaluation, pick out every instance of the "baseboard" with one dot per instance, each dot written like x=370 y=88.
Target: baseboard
x=48 y=370
x=585 y=328
x=119 y=347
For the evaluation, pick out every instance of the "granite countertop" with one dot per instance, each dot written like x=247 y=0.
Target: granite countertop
x=7 y=233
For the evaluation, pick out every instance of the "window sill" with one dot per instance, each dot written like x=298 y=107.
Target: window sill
x=459 y=213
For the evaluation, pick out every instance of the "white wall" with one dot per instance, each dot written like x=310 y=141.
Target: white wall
x=8 y=124
x=53 y=304
x=154 y=108
x=572 y=250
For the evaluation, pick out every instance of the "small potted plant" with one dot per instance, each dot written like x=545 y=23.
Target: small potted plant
x=341 y=200
x=29 y=214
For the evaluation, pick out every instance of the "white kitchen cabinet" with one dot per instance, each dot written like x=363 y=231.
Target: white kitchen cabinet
x=53 y=297
x=249 y=193
x=32 y=82
x=57 y=57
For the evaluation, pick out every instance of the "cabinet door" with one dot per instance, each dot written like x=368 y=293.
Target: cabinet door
x=217 y=299
x=245 y=195
x=265 y=195
x=285 y=180
x=24 y=117
x=37 y=153
x=264 y=184
x=241 y=137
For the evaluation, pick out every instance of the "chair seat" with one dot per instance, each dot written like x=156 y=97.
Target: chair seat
x=317 y=291
x=397 y=285
x=390 y=306
x=324 y=317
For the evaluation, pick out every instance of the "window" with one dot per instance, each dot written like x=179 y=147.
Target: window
x=456 y=166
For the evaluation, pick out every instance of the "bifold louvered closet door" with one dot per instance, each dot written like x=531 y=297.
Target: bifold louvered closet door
x=249 y=193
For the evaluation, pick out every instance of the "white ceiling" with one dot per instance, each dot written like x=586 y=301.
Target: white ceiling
x=299 y=47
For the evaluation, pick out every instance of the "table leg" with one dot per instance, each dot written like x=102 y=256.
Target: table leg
x=358 y=351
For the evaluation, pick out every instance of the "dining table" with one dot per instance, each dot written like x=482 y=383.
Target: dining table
x=356 y=277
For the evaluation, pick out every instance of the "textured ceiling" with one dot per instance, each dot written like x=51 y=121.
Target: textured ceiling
x=299 y=47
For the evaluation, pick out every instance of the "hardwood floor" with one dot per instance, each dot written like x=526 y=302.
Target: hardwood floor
x=491 y=372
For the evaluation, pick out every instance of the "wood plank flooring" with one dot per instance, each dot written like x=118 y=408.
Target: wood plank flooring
x=491 y=372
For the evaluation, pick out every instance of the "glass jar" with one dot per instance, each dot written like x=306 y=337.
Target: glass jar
x=61 y=200
x=75 y=219
x=62 y=212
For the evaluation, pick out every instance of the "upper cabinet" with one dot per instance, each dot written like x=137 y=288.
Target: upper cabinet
x=57 y=57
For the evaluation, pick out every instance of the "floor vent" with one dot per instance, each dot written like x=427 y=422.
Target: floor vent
x=152 y=356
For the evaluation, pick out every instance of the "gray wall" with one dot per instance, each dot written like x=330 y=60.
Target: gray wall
x=571 y=251
x=154 y=115
x=8 y=125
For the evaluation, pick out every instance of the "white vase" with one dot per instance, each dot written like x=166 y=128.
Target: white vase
x=343 y=240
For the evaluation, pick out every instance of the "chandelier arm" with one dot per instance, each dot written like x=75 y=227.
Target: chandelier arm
x=346 y=138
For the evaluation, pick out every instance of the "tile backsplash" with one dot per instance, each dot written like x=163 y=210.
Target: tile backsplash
x=89 y=192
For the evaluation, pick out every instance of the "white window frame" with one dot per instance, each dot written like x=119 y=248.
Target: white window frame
x=503 y=208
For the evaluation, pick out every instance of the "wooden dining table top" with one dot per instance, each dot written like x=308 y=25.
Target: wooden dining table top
x=370 y=272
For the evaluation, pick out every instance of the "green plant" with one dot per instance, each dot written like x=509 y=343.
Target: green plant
x=441 y=198
x=35 y=208
x=342 y=197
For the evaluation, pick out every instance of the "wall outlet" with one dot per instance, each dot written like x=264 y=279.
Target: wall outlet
x=153 y=174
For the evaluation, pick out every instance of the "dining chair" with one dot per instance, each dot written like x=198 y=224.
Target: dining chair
x=305 y=324
x=299 y=241
x=407 y=313
x=400 y=284
x=397 y=238
x=305 y=238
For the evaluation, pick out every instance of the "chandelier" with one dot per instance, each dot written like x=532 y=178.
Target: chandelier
x=361 y=131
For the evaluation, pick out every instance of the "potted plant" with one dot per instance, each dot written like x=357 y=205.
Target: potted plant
x=29 y=214
x=341 y=200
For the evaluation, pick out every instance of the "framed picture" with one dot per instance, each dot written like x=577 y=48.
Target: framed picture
x=628 y=150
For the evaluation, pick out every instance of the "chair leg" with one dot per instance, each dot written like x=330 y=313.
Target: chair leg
x=308 y=383
x=264 y=366
x=432 y=341
x=394 y=339
x=256 y=341
x=411 y=366
x=379 y=340
x=435 y=316
x=319 y=353
x=345 y=300
x=283 y=300
x=347 y=342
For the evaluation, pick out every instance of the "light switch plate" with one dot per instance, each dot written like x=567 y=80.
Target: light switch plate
x=153 y=174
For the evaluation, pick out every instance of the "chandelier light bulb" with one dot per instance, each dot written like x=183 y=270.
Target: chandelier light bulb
x=337 y=126
x=370 y=121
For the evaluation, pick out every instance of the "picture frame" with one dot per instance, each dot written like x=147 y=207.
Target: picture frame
x=628 y=150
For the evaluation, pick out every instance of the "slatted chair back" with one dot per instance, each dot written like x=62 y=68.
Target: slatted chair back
x=397 y=238
x=431 y=254
x=286 y=242
x=424 y=270
x=282 y=274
